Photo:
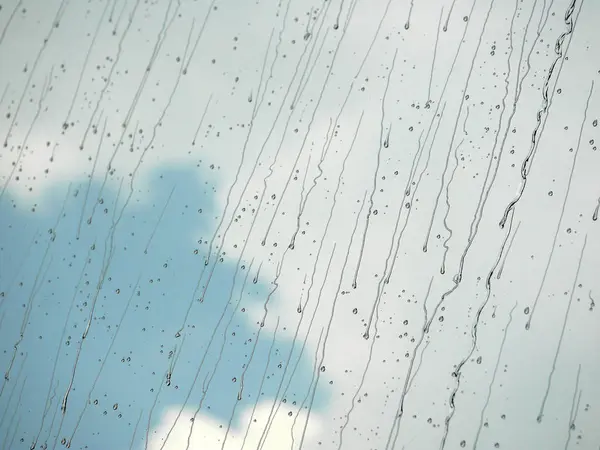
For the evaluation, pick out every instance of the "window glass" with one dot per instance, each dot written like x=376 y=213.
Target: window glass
x=299 y=224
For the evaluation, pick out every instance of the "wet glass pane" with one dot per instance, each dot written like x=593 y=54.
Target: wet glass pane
x=299 y=224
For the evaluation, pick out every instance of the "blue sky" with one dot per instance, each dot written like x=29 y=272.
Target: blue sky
x=168 y=275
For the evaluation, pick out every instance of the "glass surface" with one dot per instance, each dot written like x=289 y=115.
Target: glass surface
x=299 y=224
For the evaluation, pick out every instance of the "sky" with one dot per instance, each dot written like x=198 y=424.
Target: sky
x=321 y=224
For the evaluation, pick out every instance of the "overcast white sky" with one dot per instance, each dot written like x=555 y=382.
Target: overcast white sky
x=317 y=224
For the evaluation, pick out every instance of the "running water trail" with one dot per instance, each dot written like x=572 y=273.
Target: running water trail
x=310 y=190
